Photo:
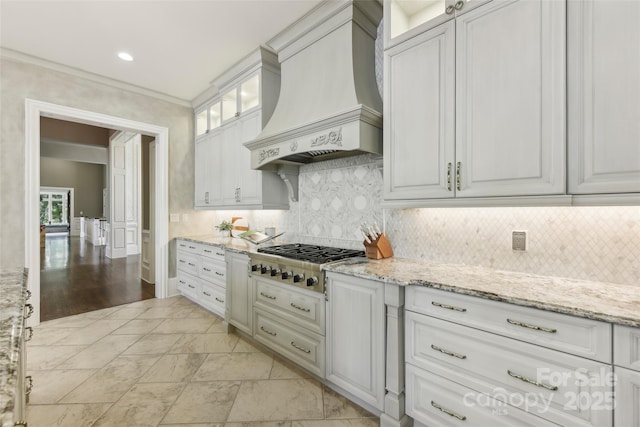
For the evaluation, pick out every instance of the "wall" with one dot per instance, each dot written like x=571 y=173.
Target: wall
x=591 y=243
x=86 y=179
x=21 y=80
x=62 y=130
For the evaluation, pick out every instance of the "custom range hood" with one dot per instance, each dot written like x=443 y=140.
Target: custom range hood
x=329 y=105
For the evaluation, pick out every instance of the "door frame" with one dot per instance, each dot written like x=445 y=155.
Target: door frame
x=35 y=109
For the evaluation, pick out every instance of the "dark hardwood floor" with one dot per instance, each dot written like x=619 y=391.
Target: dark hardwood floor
x=76 y=277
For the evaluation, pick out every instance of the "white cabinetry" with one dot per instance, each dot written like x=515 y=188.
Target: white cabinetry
x=223 y=175
x=356 y=337
x=239 y=295
x=626 y=358
x=463 y=344
x=201 y=274
x=484 y=118
x=604 y=96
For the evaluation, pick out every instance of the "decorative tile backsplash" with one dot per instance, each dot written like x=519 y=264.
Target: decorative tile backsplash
x=591 y=243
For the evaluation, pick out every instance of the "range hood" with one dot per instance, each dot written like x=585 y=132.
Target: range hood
x=329 y=105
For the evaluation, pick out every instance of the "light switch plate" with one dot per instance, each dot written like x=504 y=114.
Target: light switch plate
x=519 y=240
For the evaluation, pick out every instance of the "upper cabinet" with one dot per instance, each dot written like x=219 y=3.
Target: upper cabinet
x=475 y=106
x=604 y=96
x=244 y=103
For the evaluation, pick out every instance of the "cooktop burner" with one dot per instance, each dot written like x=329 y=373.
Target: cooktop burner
x=311 y=253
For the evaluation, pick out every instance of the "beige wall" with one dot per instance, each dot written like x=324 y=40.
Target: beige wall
x=61 y=130
x=86 y=179
x=19 y=81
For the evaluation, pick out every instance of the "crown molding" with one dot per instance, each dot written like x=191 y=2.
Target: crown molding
x=76 y=72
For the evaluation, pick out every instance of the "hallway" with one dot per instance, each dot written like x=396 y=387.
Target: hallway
x=77 y=277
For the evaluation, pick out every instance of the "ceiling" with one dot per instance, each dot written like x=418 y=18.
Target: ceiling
x=178 y=46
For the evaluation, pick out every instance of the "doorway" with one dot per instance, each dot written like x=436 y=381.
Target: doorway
x=37 y=109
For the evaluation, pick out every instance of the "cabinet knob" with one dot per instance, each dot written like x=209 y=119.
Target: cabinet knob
x=459 y=4
x=237 y=114
x=449 y=9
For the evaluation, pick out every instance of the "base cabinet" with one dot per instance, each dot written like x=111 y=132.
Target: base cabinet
x=239 y=294
x=356 y=337
x=627 y=398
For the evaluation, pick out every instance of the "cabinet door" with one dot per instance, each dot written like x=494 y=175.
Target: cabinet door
x=604 y=96
x=228 y=164
x=510 y=99
x=202 y=175
x=250 y=180
x=419 y=116
x=239 y=296
x=355 y=337
x=627 y=409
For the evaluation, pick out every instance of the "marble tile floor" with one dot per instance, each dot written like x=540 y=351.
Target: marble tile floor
x=169 y=363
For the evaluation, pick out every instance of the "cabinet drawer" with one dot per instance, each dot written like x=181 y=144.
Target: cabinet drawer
x=187 y=262
x=627 y=412
x=214 y=271
x=188 y=285
x=187 y=246
x=304 y=348
x=213 y=297
x=304 y=308
x=574 y=335
x=210 y=251
x=436 y=401
x=626 y=351
x=489 y=363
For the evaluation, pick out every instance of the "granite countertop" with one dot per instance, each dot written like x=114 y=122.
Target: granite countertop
x=608 y=302
x=13 y=296
x=234 y=244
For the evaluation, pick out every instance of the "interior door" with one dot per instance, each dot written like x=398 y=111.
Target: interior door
x=117 y=229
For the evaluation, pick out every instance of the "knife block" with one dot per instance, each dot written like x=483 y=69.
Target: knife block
x=378 y=248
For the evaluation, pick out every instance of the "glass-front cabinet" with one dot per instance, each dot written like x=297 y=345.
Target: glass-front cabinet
x=207 y=118
x=242 y=98
x=407 y=18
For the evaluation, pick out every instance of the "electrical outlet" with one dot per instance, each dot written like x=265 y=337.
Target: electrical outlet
x=185 y=217
x=174 y=217
x=519 y=240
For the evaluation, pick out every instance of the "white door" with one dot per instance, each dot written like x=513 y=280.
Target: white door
x=133 y=196
x=604 y=96
x=250 y=180
x=148 y=265
x=228 y=163
x=239 y=295
x=117 y=235
x=419 y=116
x=202 y=172
x=627 y=398
x=510 y=99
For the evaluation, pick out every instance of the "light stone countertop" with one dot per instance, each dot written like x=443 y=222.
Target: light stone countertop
x=607 y=302
x=12 y=299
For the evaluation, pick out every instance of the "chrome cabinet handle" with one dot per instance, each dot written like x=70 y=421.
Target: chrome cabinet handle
x=220 y=254
x=220 y=300
x=306 y=310
x=448 y=412
x=237 y=114
x=206 y=293
x=449 y=9
x=219 y=274
x=28 y=337
x=28 y=294
x=447 y=352
x=296 y=346
x=206 y=195
x=448 y=307
x=191 y=286
x=530 y=381
x=267 y=331
x=20 y=423
x=206 y=269
x=192 y=264
x=29 y=380
x=182 y=261
x=29 y=308
x=449 y=170
x=530 y=326
x=459 y=4
x=192 y=247
x=207 y=251
x=458 y=180
x=267 y=296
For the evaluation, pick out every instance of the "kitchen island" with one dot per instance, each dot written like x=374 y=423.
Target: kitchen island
x=13 y=283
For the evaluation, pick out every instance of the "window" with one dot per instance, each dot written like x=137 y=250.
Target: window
x=53 y=208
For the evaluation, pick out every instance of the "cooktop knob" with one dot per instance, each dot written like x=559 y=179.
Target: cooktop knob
x=312 y=281
x=286 y=275
x=275 y=272
x=263 y=270
x=298 y=278
x=254 y=267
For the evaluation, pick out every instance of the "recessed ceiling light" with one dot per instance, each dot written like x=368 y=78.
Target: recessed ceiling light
x=125 y=56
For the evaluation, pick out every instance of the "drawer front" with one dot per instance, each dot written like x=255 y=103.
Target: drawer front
x=214 y=271
x=574 y=335
x=436 y=401
x=213 y=297
x=626 y=351
x=561 y=388
x=188 y=285
x=304 y=348
x=187 y=246
x=210 y=251
x=188 y=262
x=627 y=412
x=306 y=309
